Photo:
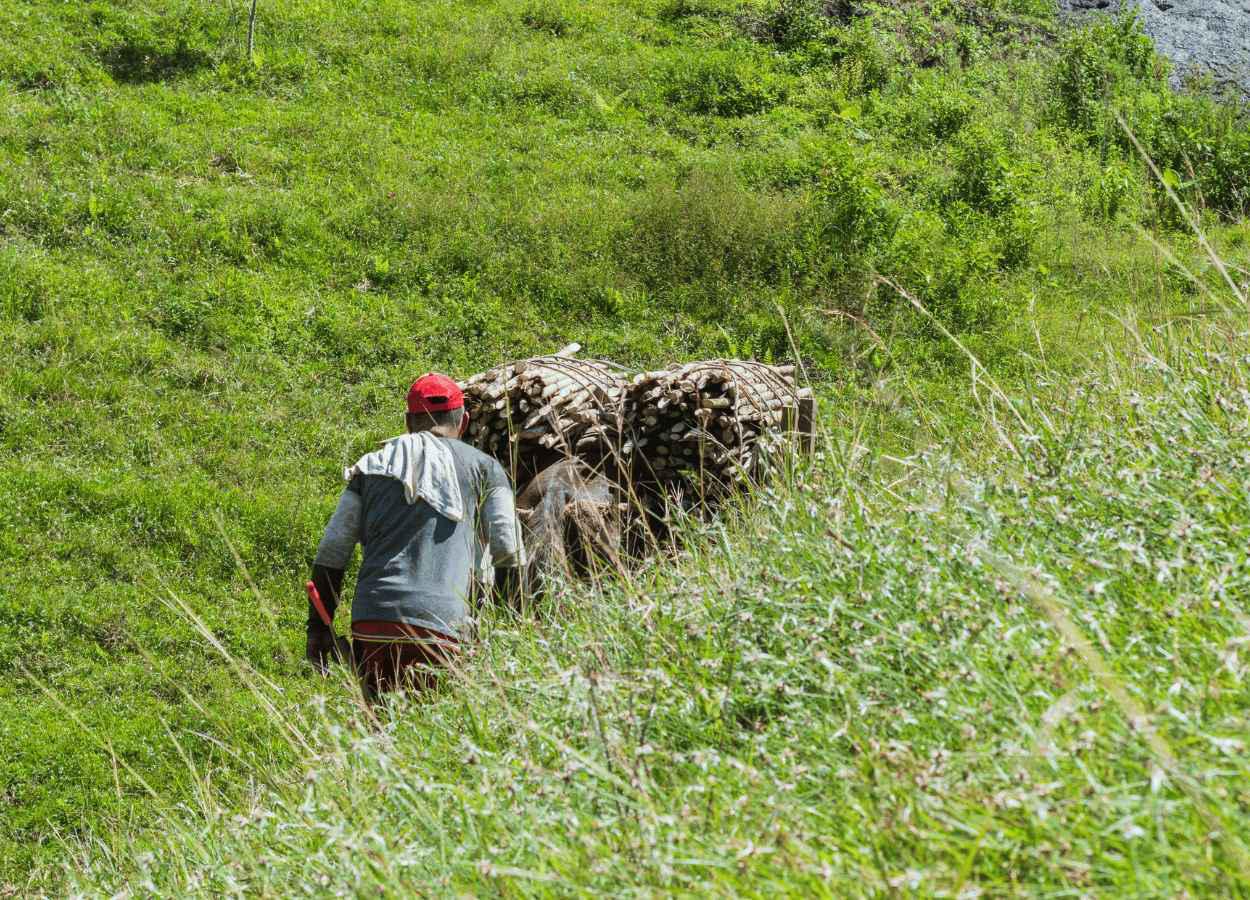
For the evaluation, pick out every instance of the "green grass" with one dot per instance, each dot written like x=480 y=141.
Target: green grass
x=217 y=276
x=866 y=683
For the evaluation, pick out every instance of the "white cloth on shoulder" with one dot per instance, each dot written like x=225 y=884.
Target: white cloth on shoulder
x=424 y=464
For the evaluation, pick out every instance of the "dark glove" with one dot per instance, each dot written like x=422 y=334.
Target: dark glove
x=323 y=647
x=320 y=647
x=329 y=584
x=511 y=587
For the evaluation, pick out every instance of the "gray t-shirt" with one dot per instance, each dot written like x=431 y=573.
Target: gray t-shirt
x=418 y=564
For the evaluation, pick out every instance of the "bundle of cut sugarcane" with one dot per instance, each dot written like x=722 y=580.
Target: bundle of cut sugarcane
x=530 y=413
x=718 y=418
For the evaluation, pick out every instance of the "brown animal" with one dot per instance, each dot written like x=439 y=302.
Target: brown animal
x=571 y=521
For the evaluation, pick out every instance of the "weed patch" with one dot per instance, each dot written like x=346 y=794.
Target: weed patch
x=547 y=18
x=708 y=230
x=724 y=83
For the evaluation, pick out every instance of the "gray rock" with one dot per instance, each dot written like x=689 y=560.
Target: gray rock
x=1199 y=36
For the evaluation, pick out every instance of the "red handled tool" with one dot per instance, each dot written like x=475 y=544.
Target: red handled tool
x=314 y=597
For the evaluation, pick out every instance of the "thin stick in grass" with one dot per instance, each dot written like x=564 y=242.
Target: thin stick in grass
x=251 y=33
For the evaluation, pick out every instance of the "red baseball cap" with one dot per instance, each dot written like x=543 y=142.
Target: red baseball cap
x=434 y=393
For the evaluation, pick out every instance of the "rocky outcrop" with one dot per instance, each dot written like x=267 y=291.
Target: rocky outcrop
x=1199 y=36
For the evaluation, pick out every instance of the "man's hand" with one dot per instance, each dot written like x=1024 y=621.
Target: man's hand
x=511 y=587
x=321 y=647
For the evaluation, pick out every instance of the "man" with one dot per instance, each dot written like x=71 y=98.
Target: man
x=418 y=507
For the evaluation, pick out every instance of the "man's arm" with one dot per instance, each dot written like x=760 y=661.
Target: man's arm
x=333 y=554
x=329 y=584
x=502 y=532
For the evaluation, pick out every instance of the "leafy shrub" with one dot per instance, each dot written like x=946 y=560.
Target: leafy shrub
x=546 y=17
x=851 y=216
x=724 y=83
x=934 y=111
x=866 y=57
x=950 y=268
x=681 y=10
x=1107 y=84
x=792 y=165
x=1016 y=235
x=789 y=24
x=1038 y=9
x=1095 y=64
x=981 y=224
x=1227 y=182
x=1113 y=187
x=708 y=230
x=1200 y=146
x=987 y=177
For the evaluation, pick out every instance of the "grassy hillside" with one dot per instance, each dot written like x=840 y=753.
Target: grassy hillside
x=216 y=276
x=887 y=676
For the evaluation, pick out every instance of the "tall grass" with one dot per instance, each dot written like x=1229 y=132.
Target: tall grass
x=1006 y=665
x=1010 y=666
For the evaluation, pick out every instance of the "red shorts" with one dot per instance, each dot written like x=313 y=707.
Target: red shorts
x=392 y=656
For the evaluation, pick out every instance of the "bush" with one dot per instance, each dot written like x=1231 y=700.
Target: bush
x=1202 y=148
x=709 y=230
x=866 y=58
x=1112 y=189
x=851 y=216
x=936 y=111
x=724 y=83
x=1096 y=64
x=1227 y=185
x=682 y=10
x=1108 y=71
x=984 y=174
x=951 y=269
x=789 y=24
x=546 y=17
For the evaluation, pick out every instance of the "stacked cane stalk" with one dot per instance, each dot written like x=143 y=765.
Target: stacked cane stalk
x=717 y=419
x=711 y=422
x=531 y=413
